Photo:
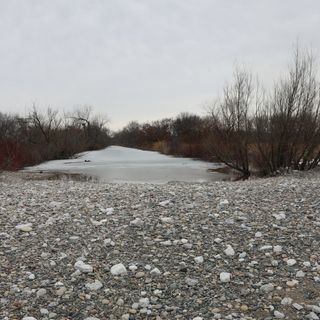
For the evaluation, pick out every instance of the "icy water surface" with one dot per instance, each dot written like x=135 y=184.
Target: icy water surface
x=120 y=164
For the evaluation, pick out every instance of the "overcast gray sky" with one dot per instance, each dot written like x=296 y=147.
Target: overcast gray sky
x=143 y=59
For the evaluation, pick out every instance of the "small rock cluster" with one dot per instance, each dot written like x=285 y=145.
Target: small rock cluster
x=224 y=250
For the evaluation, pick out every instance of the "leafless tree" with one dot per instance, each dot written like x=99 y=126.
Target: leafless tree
x=231 y=125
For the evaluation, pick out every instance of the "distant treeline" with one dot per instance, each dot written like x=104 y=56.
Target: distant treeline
x=249 y=129
x=49 y=135
x=186 y=136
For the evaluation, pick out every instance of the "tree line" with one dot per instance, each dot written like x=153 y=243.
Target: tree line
x=249 y=129
x=49 y=135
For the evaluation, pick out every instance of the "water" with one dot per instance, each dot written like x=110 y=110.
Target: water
x=119 y=164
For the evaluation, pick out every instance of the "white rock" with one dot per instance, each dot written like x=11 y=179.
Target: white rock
x=83 y=267
x=286 y=301
x=229 y=251
x=191 y=282
x=108 y=242
x=137 y=222
x=167 y=219
x=118 y=269
x=164 y=203
x=29 y=318
x=297 y=306
x=55 y=204
x=258 y=234
x=291 y=262
x=108 y=211
x=31 y=276
x=277 y=249
x=135 y=305
x=41 y=292
x=44 y=311
x=292 y=283
x=217 y=240
x=157 y=292
x=155 y=272
x=266 y=247
x=133 y=268
x=267 y=287
x=279 y=315
x=93 y=286
x=225 y=277
x=125 y=316
x=199 y=259
x=166 y=243
x=315 y=309
x=223 y=203
x=91 y=318
x=312 y=316
x=197 y=318
x=300 y=274
x=25 y=227
x=279 y=216
x=144 y=302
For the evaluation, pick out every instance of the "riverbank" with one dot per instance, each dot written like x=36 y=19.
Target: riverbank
x=222 y=250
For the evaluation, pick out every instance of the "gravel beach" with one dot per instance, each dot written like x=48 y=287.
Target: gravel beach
x=222 y=250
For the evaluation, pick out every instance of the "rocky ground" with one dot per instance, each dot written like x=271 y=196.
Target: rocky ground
x=226 y=250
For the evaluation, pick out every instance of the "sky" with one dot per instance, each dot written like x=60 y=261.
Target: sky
x=143 y=59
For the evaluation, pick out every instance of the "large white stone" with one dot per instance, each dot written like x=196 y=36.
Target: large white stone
x=137 y=222
x=144 y=302
x=277 y=249
x=118 y=269
x=225 y=277
x=279 y=315
x=25 y=227
x=83 y=267
x=199 y=259
x=291 y=262
x=229 y=251
x=93 y=286
x=268 y=287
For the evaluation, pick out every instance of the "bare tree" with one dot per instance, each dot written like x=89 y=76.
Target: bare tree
x=231 y=125
x=288 y=125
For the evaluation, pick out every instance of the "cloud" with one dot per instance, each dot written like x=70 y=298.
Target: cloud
x=142 y=59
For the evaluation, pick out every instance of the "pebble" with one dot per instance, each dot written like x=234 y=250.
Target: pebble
x=229 y=251
x=297 y=306
x=137 y=222
x=291 y=262
x=286 y=301
x=94 y=286
x=191 y=282
x=268 y=287
x=199 y=259
x=225 y=277
x=118 y=269
x=279 y=315
x=312 y=316
x=155 y=272
x=25 y=227
x=277 y=249
x=83 y=267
